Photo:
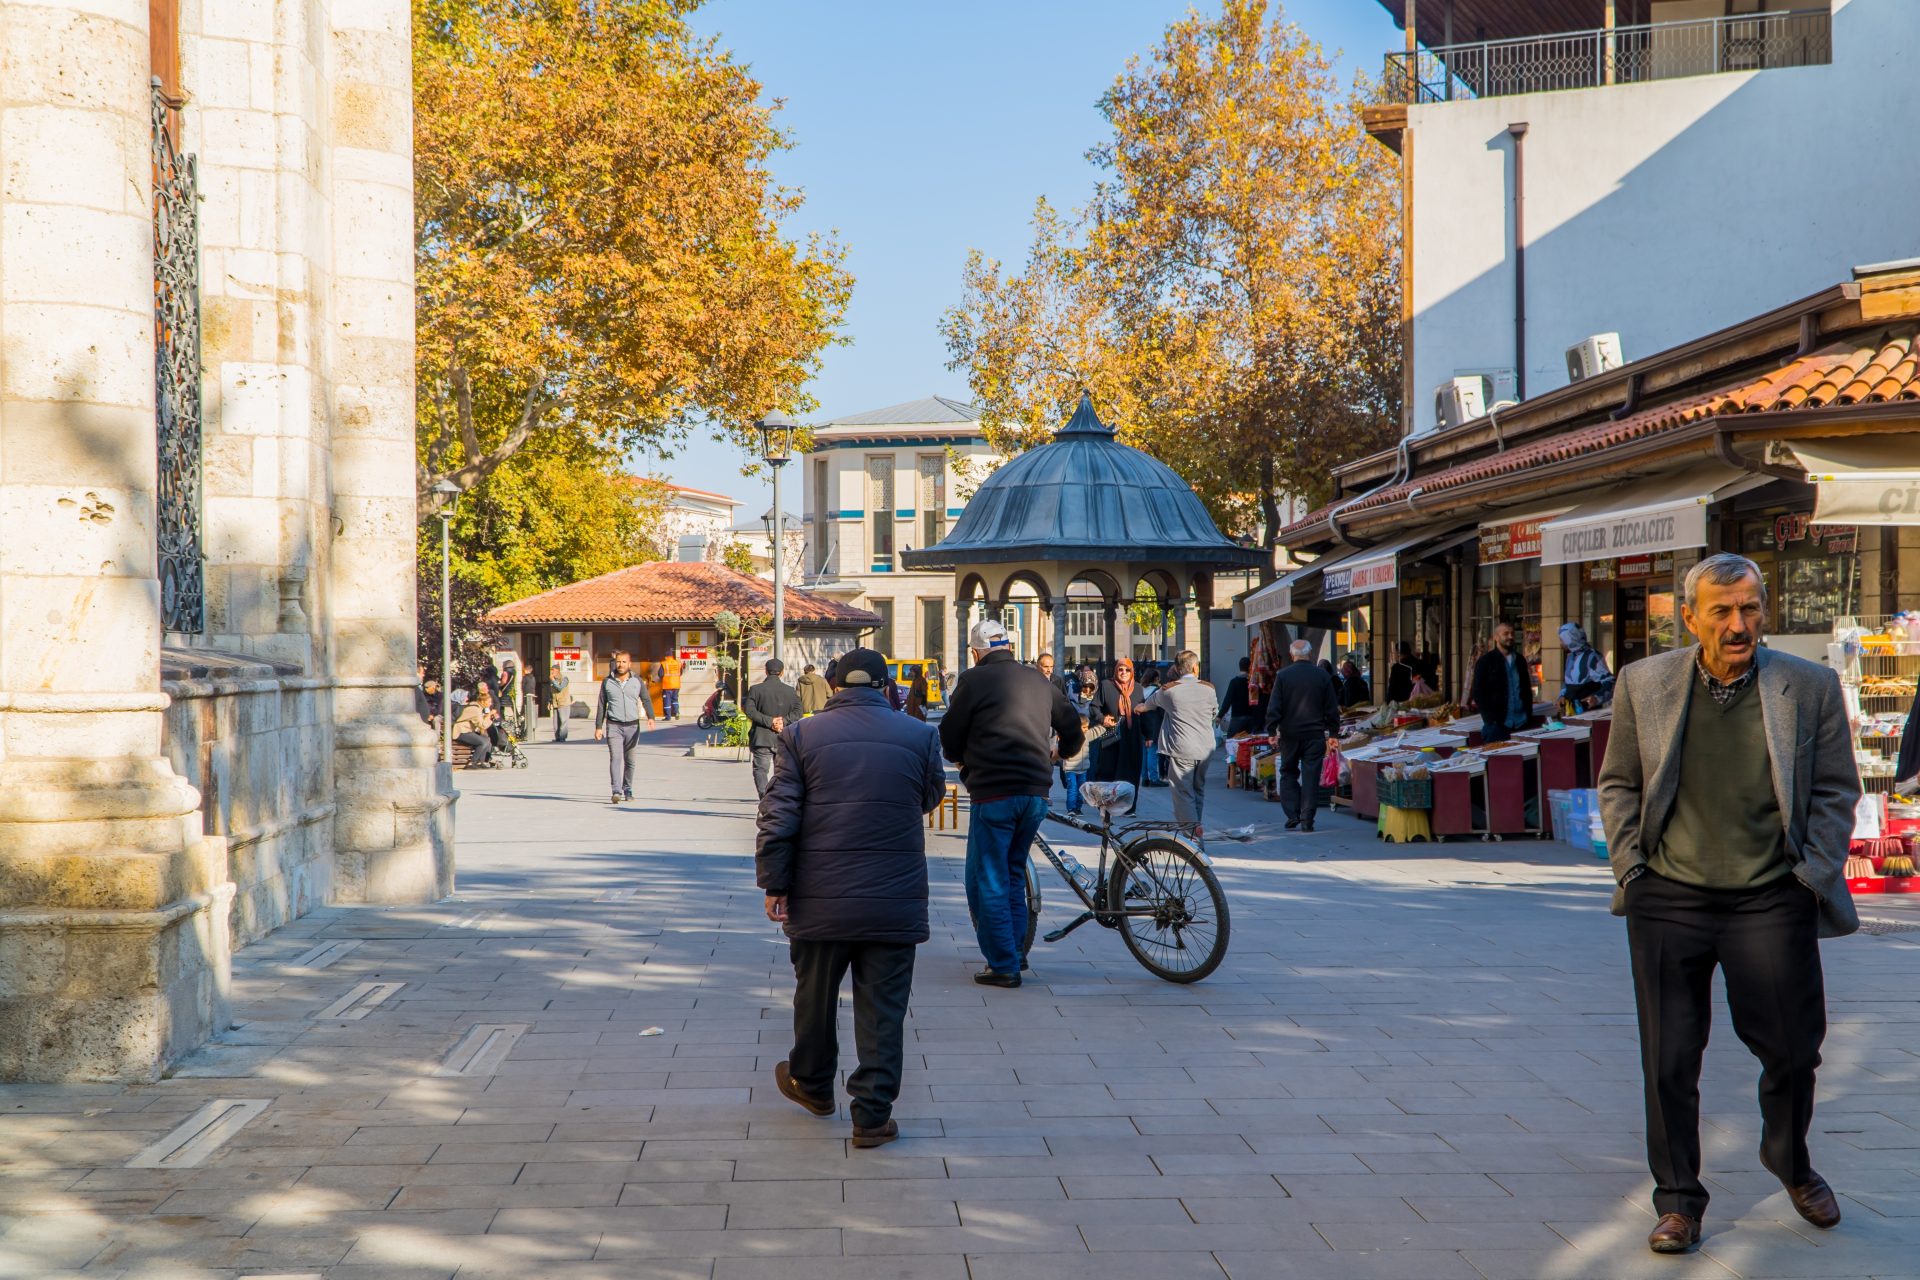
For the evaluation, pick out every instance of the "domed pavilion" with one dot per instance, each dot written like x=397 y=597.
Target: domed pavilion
x=1083 y=522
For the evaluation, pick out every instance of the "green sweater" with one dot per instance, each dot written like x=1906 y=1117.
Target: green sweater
x=1724 y=831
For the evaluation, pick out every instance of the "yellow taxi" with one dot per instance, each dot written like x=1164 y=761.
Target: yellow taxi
x=903 y=670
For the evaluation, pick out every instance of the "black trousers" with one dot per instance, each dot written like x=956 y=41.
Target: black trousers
x=882 y=985
x=1766 y=941
x=1301 y=757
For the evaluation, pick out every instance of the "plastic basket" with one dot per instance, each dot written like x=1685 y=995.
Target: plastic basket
x=1407 y=793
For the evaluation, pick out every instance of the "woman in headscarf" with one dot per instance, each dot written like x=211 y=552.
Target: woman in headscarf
x=1588 y=683
x=1121 y=707
x=917 y=695
x=1353 y=686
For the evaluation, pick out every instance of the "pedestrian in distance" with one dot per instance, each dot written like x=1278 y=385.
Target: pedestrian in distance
x=1237 y=710
x=1502 y=686
x=1586 y=684
x=1188 y=708
x=1304 y=712
x=917 y=695
x=559 y=700
x=770 y=707
x=842 y=859
x=1150 y=775
x=670 y=669
x=1000 y=728
x=1400 y=674
x=470 y=729
x=1120 y=707
x=1728 y=795
x=1045 y=666
x=813 y=690
x=618 y=714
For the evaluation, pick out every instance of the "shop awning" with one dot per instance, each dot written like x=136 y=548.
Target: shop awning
x=1864 y=479
x=1660 y=513
x=1275 y=600
x=1378 y=568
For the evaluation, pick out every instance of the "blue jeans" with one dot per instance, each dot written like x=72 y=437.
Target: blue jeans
x=1150 y=770
x=999 y=834
x=1072 y=781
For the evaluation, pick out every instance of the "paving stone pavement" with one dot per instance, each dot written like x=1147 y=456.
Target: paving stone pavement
x=1418 y=1061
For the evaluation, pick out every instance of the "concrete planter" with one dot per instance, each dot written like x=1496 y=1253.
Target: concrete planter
x=701 y=751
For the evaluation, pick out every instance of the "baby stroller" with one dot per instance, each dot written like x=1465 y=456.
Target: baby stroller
x=512 y=728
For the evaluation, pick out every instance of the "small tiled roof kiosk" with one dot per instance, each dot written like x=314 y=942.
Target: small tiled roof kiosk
x=1083 y=508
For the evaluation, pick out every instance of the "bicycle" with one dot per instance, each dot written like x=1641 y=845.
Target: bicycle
x=1161 y=893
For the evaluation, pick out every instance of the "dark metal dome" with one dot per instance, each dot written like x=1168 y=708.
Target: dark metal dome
x=1085 y=496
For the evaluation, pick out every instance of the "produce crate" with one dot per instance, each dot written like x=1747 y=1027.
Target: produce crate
x=1407 y=793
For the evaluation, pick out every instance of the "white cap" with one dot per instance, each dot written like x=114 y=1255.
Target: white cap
x=987 y=634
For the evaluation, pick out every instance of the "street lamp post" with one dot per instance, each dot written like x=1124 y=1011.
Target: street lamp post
x=449 y=494
x=776 y=447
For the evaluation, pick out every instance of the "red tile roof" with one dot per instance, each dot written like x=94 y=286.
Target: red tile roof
x=673 y=591
x=1875 y=369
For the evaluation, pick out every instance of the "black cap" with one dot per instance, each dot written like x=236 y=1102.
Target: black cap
x=775 y=666
x=861 y=668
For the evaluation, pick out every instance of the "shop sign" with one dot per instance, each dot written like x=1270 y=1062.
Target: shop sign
x=1868 y=501
x=1515 y=540
x=1631 y=533
x=1799 y=526
x=1627 y=568
x=1363 y=577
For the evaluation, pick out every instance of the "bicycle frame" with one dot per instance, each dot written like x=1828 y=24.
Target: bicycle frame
x=1108 y=835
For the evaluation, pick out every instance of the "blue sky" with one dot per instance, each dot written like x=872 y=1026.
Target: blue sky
x=922 y=130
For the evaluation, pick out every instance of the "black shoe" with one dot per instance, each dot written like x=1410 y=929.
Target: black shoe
x=626 y=795
x=989 y=978
x=1293 y=824
x=1307 y=827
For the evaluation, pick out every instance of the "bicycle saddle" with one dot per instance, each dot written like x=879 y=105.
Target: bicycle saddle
x=1111 y=798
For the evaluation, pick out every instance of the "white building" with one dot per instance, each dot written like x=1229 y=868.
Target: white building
x=1674 y=168
x=883 y=482
x=696 y=523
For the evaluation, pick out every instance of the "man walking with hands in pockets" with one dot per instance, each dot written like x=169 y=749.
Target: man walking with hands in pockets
x=1728 y=795
x=842 y=858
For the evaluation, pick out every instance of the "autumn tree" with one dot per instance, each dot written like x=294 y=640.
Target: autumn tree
x=600 y=249
x=1229 y=292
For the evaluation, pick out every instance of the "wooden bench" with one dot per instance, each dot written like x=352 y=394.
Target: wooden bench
x=948 y=808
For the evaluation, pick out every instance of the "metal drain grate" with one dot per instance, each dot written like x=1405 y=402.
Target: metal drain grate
x=1869 y=924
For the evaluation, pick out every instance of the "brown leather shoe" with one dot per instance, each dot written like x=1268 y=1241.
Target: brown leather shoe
x=783 y=1079
x=878 y=1136
x=1816 y=1203
x=1674 y=1233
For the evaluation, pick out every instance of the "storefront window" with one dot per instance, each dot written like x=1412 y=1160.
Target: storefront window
x=1627 y=607
x=1812 y=571
x=1508 y=592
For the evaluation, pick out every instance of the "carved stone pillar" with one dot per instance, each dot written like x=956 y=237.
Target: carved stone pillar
x=393 y=825
x=113 y=905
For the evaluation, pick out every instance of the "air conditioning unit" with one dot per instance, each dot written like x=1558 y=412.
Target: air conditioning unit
x=1592 y=356
x=1459 y=400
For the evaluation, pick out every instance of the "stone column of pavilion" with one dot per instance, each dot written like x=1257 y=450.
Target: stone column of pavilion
x=113 y=939
x=393 y=824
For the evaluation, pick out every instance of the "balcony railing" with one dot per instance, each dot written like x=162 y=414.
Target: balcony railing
x=1624 y=55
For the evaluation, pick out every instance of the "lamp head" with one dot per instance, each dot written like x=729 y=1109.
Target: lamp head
x=776 y=437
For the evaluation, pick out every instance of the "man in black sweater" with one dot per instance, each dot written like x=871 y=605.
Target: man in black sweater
x=770 y=706
x=998 y=727
x=1305 y=712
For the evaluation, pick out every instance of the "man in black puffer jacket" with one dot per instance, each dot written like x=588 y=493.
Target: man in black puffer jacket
x=842 y=858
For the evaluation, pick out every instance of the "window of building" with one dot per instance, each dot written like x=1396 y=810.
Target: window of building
x=823 y=517
x=933 y=628
x=1509 y=592
x=1812 y=571
x=882 y=634
x=933 y=498
x=880 y=511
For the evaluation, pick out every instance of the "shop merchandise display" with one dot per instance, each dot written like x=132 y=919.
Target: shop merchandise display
x=1878 y=660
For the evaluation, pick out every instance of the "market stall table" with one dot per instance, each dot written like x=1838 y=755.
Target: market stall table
x=1566 y=761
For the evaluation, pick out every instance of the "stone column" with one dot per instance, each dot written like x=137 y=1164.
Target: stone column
x=1179 y=624
x=1057 y=610
x=961 y=611
x=1112 y=609
x=113 y=906
x=393 y=824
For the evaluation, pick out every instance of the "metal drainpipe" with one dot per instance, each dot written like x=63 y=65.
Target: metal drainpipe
x=1518 y=133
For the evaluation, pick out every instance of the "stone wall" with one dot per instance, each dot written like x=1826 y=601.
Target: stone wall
x=249 y=735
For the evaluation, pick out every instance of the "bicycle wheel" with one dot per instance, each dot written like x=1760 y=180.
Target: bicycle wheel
x=1185 y=938
x=1033 y=909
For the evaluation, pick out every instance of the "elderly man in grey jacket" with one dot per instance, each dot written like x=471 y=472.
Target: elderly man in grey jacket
x=1728 y=795
x=1188 y=706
